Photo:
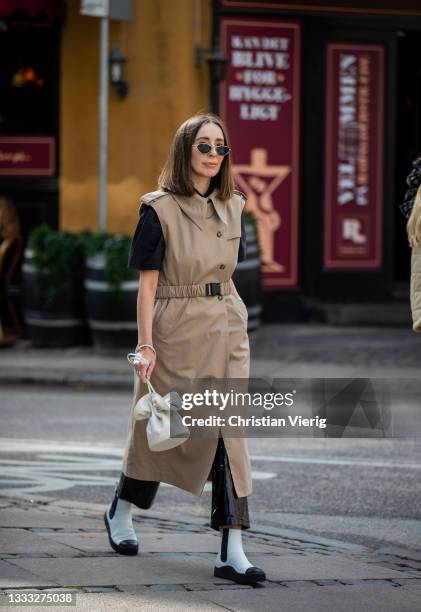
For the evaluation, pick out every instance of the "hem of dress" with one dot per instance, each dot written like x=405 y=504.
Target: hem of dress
x=161 y=478
x=140 y=493
x=217 y=525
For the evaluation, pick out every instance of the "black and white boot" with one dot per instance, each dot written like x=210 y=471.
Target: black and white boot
x=232 y=563
x=118 y=521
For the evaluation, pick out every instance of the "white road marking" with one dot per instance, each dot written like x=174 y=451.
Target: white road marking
x=10 y=445
x=58 y=471
x=50 y=446
x=350 y=461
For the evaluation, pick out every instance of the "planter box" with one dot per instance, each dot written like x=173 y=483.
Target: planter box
x=111 y=314
x=60 y=323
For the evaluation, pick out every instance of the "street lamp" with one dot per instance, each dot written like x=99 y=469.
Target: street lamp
x=117 y=60
x=217 y=61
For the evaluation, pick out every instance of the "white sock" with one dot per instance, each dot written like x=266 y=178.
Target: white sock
x=121 y=525
x=235 y=553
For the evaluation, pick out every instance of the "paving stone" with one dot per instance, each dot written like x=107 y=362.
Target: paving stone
x=61 y=590
x=98 y=589
x=368 y=598
x=106 y=571
x=37 y=555
x=71 y=530
x=157 y=569
x=299 y=584
x=22 y=541
x=14 y=576
x=16 y=517
x=133 y=588
x=190 y=542
x=301 y=538
x=42 y=529
x=383 y=532
x=310 y=567
x=156 y=543
x=81 y=542
x=145 y=600
x=167 y=587
x=379 y=581
x=26 y=589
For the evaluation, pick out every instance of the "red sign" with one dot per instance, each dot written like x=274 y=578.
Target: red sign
x=27 y=156
x=388 y=7
x=260 y=103
x=354 y=156
x=49 y=8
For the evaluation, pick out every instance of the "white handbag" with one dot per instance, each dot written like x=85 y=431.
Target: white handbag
x=165 y=428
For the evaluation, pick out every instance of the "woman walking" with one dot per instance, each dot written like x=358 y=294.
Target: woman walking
x=191 y=323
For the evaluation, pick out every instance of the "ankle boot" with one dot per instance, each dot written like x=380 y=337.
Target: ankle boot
x=118 y=521
x=232 y=563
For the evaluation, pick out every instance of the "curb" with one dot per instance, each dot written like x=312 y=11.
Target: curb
x=107 y=380
x=300 y=537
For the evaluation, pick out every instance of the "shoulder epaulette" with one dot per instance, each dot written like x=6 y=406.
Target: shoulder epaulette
x=150 y=197
x=238 y=192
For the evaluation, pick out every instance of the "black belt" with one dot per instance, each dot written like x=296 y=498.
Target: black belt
x=213 y=289
x=193 y=290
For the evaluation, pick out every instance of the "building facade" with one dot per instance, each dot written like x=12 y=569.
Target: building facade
x=322 y=102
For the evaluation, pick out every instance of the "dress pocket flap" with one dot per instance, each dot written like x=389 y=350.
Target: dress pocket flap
x=233 y=230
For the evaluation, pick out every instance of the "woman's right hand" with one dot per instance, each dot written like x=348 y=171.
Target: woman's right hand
x=142 y=370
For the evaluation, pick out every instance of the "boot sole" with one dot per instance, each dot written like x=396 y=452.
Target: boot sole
x=121 y=550
x=230 y=573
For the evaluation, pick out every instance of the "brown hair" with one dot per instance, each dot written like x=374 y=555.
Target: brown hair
x=176 y=173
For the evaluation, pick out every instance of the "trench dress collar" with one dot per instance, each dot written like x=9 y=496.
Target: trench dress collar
x=195 y=207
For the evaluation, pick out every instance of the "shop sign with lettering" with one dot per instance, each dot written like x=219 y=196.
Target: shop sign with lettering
x=260 y=102
x=353 y=199
x=27 y=156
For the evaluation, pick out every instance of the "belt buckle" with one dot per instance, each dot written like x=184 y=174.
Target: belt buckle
x=209 y=289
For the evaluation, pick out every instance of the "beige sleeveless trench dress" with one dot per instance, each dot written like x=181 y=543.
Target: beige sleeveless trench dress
x=195 y=336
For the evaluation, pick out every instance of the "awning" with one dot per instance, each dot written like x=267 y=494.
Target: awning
x=51 y=9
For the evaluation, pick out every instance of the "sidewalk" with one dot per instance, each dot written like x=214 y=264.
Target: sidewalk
x=48 y=544
x=53 y=545
x=293 y=350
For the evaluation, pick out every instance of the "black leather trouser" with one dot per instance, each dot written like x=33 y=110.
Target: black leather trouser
x=227 y=508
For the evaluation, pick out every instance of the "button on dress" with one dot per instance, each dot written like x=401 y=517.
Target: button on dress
x=194 y=240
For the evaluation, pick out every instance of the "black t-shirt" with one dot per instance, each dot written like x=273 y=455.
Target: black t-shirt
x=147 y=249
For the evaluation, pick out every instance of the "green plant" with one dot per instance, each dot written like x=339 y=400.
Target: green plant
x=250 y=218
x=58 y=258
x=115 y=248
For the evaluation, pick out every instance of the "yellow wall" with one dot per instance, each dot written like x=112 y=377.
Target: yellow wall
x=165 y=88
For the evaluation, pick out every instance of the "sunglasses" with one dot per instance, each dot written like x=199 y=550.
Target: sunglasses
x=205 y=149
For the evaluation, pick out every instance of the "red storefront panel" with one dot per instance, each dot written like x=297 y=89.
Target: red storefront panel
x=353 y=203
x=260 y=102
x=386 y=7
x=27 y=156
